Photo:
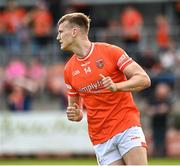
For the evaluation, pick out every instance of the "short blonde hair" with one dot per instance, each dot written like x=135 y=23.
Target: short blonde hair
x=79 y=19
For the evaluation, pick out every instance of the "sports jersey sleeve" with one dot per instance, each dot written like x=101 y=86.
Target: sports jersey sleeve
x=71 y=90
x=120 y=57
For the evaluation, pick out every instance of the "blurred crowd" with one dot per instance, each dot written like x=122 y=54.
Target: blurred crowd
x=28 y=37
x=31 y=65
x=21 y=83
x=28 y=46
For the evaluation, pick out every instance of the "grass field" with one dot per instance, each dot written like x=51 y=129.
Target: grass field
x=78 y=161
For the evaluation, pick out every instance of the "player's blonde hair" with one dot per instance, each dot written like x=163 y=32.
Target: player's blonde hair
x=79 y=19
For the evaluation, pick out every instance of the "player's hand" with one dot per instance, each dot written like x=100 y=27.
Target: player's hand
x=74 y=113
x=108 y=83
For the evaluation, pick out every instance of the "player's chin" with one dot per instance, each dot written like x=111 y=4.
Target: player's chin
x=64 y=48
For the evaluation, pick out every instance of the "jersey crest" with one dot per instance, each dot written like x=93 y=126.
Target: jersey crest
x=100 y=63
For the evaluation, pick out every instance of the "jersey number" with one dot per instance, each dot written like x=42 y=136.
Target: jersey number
x=87 y=69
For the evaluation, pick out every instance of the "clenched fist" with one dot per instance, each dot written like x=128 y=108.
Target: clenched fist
x=108 y=83
x=74 y=113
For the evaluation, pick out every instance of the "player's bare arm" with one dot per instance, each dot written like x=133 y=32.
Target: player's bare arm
x=137 y=79
x=74 y=112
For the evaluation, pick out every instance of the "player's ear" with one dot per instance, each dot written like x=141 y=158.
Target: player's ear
x=74 y=32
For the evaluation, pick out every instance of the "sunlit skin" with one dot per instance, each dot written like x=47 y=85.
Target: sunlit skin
x=65 y=36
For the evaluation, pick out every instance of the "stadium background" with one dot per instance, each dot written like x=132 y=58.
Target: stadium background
x=33 y=123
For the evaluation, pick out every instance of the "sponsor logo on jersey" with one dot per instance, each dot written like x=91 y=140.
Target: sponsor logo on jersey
x=76 y=72
x=92 y=87
x=85 y=64
x=100 y=63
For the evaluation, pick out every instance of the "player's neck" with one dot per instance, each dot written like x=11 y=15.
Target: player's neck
x=82 y=48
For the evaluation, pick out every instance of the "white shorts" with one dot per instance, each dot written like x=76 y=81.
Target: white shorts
x=120 y=144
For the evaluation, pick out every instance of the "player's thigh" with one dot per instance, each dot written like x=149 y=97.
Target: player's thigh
x=132 y=146
x=118 y=162
x=136 y=156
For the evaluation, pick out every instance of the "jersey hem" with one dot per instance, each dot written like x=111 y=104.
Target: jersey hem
x=107 y=138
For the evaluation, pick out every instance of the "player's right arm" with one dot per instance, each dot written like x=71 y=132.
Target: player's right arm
x=74 y=111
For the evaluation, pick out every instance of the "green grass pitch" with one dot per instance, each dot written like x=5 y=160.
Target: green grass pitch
x=78 y=161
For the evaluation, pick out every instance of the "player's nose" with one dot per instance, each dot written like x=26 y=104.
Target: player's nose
x=58 y=37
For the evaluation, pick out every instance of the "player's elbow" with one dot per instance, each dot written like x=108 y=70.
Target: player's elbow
x=146 y=81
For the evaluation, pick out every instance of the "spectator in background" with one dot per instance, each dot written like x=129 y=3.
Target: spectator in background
x=56 y=9
x=177 y=11
x=19 y=99
x=41 y=20
x=18 y=87
x=15 y=69
x=37 y=73
x=2 y=79
x=165 y=68
x=55 y=83
x=160 y=107
x=168 y=59
x=177 y=72
x=131 y=24
x=112 y=34
x=2 y=29
x=13 y=22
x=162 y=33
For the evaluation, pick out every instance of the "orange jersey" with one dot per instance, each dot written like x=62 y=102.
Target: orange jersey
x=14 y=19
x=42 y=23
x=108 y=113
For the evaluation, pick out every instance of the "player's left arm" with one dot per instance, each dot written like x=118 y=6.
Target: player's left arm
x=137 y=79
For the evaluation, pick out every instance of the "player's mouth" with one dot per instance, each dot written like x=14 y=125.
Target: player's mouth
x=60 y=42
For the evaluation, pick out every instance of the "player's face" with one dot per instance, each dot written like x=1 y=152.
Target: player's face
x=64 y=36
